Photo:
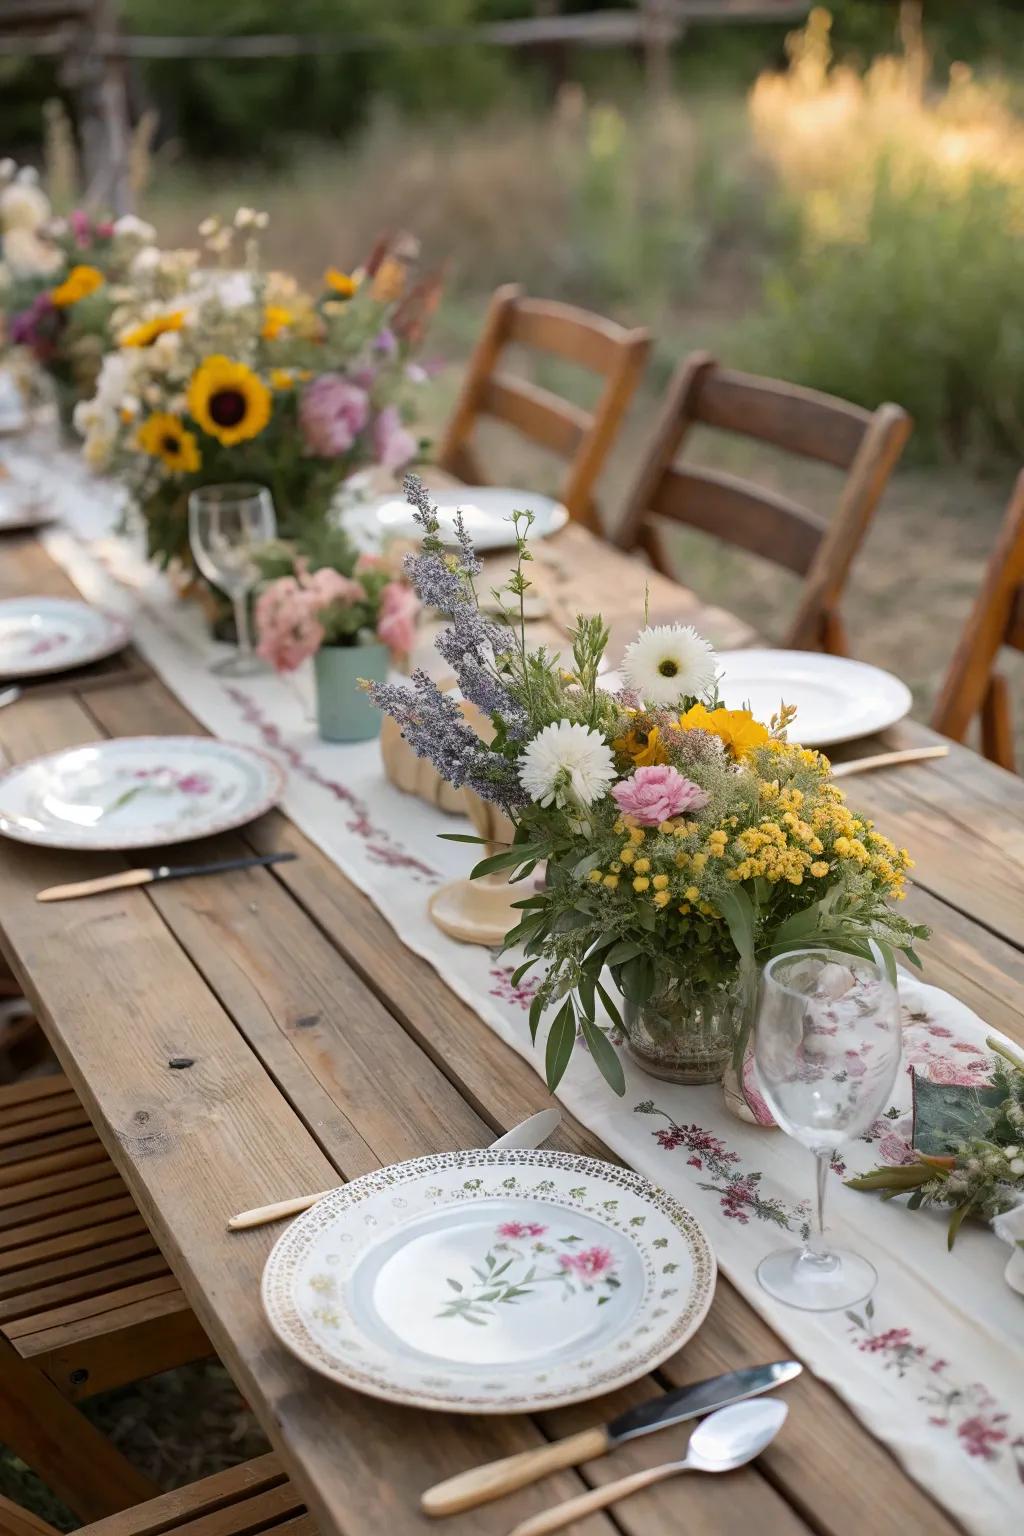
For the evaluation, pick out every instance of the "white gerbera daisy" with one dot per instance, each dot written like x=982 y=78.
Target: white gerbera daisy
x=568 y=764
x=669 y=663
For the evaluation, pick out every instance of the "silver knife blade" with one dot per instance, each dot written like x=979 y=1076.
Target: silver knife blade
x=184 y=871
x=691 y=1401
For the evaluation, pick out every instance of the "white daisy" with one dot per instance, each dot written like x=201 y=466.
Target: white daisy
x=568 y=764
x=669 y=663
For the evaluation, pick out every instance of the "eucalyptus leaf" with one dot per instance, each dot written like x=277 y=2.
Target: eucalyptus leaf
x=560 y=1042
x=638 y=979
x=606 y=1057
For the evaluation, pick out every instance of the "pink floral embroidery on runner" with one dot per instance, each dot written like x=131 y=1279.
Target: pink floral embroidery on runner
x=983 y=1429
x=379 y=844
x=522 y=993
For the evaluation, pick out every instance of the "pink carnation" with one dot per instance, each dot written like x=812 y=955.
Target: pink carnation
x=393 y=443
x=332 y=413
x=396 y=626
x=656 y=793
x=287 y=625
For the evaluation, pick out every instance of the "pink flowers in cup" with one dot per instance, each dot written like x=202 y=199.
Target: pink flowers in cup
x=296 y=615
x=657 y=793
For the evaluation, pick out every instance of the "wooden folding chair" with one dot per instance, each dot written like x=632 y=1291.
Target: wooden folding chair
x=582 y=437
x=87 y=1301
x=972 y=686
x=255 y=1496
x=865 y=444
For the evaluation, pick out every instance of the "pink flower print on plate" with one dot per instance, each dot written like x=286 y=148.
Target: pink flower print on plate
x=509 y=1276
x=589 y=1264
x=195 y=784
x=521 y=1229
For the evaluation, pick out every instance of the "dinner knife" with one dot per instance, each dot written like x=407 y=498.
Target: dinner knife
x=130 y=877
x=481 y=1484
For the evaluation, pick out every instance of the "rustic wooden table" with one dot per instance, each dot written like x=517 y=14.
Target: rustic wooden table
x=321 y=1048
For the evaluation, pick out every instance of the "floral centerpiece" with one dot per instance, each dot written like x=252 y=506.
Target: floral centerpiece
x=683 y=841
x=59 y=279
x=231 y=372
x=353 y=613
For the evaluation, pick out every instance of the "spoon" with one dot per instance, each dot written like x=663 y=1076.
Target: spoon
x=722 y=1442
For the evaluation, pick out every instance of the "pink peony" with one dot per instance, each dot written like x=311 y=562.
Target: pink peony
x=396 y=625
x=287 y=625
x=657 y=793
x=332 y=413
x=393 y=443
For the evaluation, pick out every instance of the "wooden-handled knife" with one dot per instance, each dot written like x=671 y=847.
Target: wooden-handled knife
x=481 y=1484
x=129 y=877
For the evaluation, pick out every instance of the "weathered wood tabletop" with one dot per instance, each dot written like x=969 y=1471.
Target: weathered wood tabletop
x=321 y=1048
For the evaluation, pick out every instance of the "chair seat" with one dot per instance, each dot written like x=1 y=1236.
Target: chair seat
x=254 y=1497
x=84 y=1291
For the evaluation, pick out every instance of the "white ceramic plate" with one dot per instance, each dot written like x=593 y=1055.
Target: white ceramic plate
x=137 y=792
x=836 y=699
x=21 y=506
x=51 y=634
x=493 y=1281
x=486 y=509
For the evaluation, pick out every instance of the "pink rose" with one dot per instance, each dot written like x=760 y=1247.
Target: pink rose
x=332 y=413
x=657 y=793
x=287 y=625
x=393 y=443
x=396 y=625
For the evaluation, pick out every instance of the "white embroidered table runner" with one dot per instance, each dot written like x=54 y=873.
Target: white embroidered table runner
x=935 y=1367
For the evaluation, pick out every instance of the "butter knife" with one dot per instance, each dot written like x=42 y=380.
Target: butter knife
x=481 y=1484
x=129 y=877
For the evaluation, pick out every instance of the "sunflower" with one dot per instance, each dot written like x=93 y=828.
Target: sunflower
x=79 y=283
x=342 y=283
x=228 y=400
x=165 y=437
x=737 y=729
x=148 y=330
x=642 y=742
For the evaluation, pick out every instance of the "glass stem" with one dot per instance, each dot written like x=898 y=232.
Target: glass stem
x=241 y=607
x=815 y=1246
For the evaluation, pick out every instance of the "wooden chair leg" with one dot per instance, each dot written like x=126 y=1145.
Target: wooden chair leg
x=834 y=638
x=996 y=731
x=71 y=1456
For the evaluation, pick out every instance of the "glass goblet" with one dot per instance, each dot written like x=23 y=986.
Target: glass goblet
x=826 y=1052
x=227 y=524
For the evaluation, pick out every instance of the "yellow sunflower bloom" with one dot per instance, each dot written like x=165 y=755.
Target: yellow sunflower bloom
x=736 y=728
x=165 y=437
x=228 y=400
x=644 y=747
x=282 y=379
x=344 y=284
x=79 y=283
x=148 y=330
x=276 y=318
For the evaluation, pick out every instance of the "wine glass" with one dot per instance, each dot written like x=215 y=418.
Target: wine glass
x=226 y=526
x=826 y=1052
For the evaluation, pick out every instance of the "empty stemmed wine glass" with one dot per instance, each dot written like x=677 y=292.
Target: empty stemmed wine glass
x=827 y=1048
x=226 y=526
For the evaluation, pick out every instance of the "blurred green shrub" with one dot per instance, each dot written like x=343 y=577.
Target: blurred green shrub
x=903 y=280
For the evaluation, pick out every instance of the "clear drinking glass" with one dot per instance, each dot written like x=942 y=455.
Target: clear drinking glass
x=826 y=1052
x=226 y=526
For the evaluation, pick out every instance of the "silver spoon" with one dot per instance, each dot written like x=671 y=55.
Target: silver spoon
x=722 y=1442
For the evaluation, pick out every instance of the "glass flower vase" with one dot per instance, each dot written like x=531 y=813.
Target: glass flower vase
x=686 y=1032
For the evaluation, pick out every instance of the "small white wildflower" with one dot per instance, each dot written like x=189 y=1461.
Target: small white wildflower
x=244 y=217
x=668 y=663
x=568 y=764
x=1017 y=1166
x=209 y=227
x=261 y=220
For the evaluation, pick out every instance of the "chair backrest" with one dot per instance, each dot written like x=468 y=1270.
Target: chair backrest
x=972 y=686
x=15 y=1521
x=865 y=444
x=582 y=437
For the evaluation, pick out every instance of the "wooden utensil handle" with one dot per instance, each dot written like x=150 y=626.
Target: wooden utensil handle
x=482 y=1484
x=120 y=882
x=887 y=760
x=261 y=1214
x=598 y=1498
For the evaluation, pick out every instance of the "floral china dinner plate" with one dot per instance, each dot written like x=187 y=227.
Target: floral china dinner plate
x=493 y=1281
x=486 y=511
x=137 y=792
x=51 y=634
